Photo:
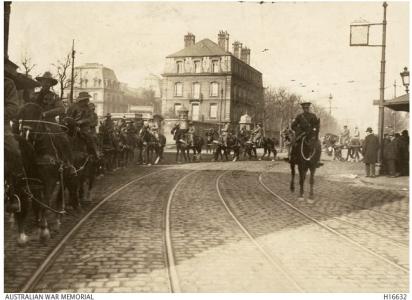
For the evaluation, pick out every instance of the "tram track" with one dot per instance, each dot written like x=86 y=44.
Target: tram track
x=48 y=261
x=272 y=260
x=330 y=229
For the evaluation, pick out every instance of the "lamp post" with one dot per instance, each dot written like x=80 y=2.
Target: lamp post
x=359 y=36
x=405 y=79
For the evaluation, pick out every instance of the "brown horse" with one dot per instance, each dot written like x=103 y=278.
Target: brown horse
x=306 y=154
x=48 y=168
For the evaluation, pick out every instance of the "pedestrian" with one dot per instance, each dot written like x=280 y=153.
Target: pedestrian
x=404 y=153
x=391 y=155
x=386 y=142
x=370 y=150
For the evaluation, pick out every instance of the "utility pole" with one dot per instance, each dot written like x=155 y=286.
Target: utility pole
x=72 y=80
x=382 y=85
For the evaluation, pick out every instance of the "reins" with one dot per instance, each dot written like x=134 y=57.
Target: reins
x=301 y=151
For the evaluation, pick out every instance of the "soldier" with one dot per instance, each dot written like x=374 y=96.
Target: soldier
x=345 y=136
x=191 y=132
x=52 y=110
x=83 y=116
x=94 y=119
x=225 y=133
x=108 y=123
x=288 y=137
x=257 y=135
x=175 y=131
x=305 y=124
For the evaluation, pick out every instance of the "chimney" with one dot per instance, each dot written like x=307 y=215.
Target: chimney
x=223 y=40
x=236 y=49
x=189 y=39
x=245 y=55
x=227 y=42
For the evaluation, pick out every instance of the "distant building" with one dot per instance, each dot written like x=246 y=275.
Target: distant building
x=211 y=82
x=102 y=84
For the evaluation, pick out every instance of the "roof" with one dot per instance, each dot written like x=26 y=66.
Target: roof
x=205 y=47
x=400 y=103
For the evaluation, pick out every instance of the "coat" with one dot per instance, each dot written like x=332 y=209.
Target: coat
x=370 y=149
x=391 y=150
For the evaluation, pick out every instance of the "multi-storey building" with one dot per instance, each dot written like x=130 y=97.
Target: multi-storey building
x=102 y=84
x=215 y=85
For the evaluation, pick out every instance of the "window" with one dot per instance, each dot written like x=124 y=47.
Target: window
x=215 y=66
x=196 y=90
x=197 y=66
x=213 y=111
x=100 y=82
x=177 y=108
x=179 y=67
x=178 y=89
x=214 y=89
x=195 y=111
x=85 y=83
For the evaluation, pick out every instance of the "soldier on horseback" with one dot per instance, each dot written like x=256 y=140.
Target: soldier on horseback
x=52 y=110
x=306 y=124
x=83 y=115
x=225 y=133
x=191 y=132
x=257 y=135
x=108 y=123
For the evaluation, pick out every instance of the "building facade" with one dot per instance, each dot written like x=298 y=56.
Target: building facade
x=102 y=84
x=213 y=84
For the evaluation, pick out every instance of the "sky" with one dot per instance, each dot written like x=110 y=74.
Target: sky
x=308 y=43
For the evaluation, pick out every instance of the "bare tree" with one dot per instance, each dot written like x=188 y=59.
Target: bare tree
x=63 y=68
x=27 y=64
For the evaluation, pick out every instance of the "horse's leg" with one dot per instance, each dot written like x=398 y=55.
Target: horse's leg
x=302 y=175
x=21 y=219
x=292 y=178
x=311 y=182
x=177 y=152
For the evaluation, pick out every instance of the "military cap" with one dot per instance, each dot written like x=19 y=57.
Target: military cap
x=305 y=104
x=83 y=96
x=47 y=76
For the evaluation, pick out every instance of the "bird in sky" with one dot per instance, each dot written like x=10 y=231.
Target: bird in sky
x=264 y=50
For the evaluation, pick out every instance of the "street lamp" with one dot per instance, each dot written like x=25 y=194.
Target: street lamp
x=405 y=79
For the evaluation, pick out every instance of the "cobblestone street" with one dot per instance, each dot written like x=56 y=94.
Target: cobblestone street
x=229 y=227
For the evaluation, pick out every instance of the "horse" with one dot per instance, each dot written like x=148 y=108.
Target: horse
x=19 y=192
x=195 y=144
x=306 y=154
x=329 y=142
x=232 y=143
x=354 y=148
x=269 y=147
x=212 y=139
x=152 y=144
x=108 y=146
x=80 y=186
x=182 y=147
x=46 y=146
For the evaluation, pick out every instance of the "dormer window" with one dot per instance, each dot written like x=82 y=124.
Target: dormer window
x=215 y=66
x=197 y=66
x=179 y=67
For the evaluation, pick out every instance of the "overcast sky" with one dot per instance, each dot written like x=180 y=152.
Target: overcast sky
x=308 y=43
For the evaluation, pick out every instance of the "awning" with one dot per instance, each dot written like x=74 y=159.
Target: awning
x=400 y=103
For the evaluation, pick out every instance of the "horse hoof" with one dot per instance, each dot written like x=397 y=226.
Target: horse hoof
x=273 y=159
x=311 y=200
x=22 y=239
x=45 y=235
x=57 y=226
